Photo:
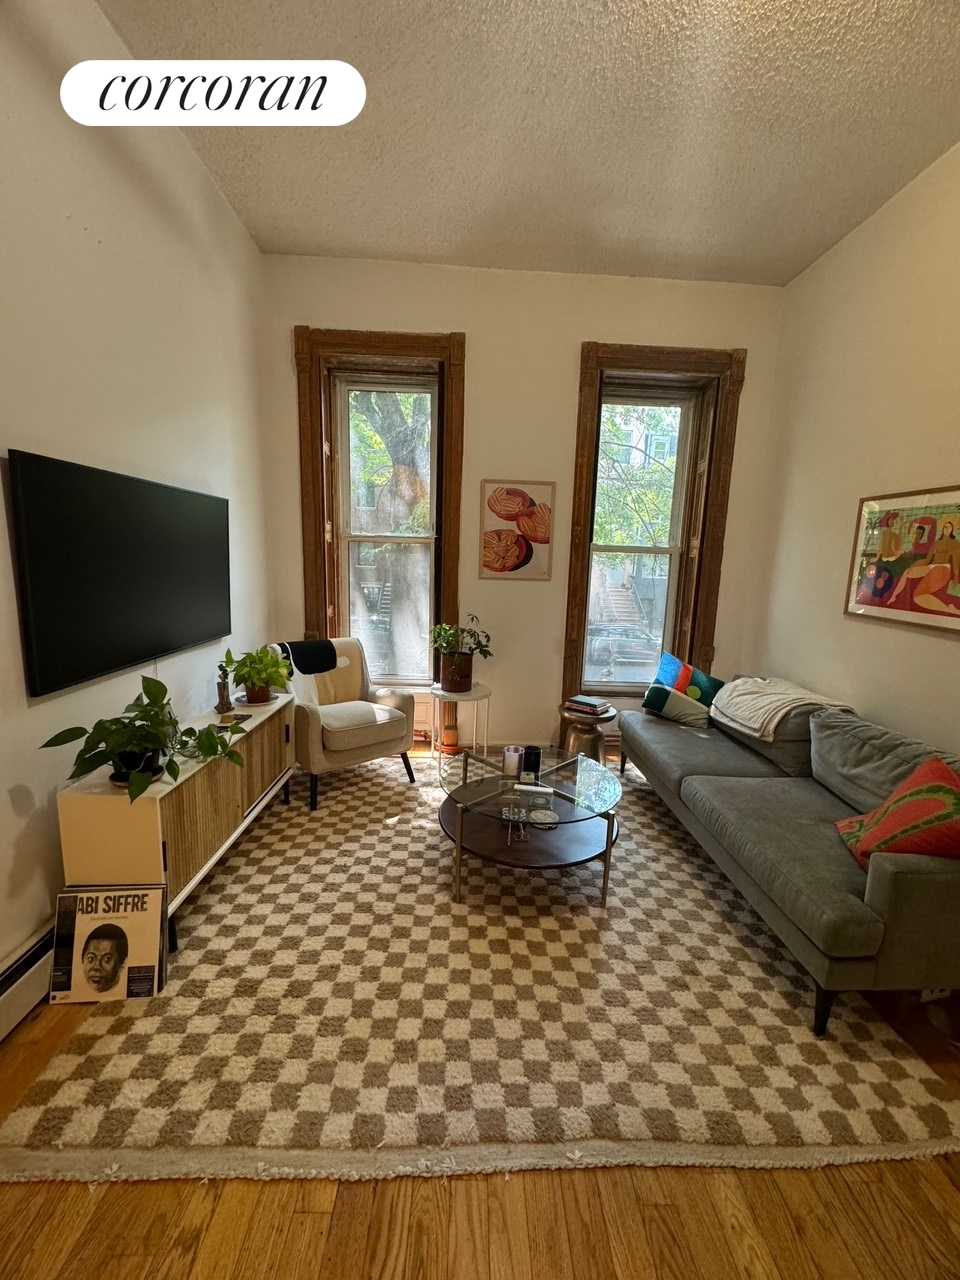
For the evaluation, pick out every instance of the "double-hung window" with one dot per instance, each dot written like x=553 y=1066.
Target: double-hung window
x=381 y=448
x=387 y=452
x=654 y=452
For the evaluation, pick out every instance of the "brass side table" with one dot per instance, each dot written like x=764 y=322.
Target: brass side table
x=583 y=733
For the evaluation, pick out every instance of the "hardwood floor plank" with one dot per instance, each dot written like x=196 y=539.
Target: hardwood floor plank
x=907 y=1189
x=259 y=1256
x=650 y=1184
x=857 y=1208
x=689 y=1192
x=586 y=1226
x=177 y=1252
x=64 y=1213
x=429 y=1231
x=835 y=1253
x=221 y=1243
x=673 y=1258
x=939 y=1190
x=301 y=1256
x=751 y=1255
x=386 y=1252
x=783 y=1233
x=316 y=1195
x=130 y=1221
x=549 y=1248
x=507 y=1228
x=468 y=1248
x=21 y=1206
x=347 y=1237
x=629 y=1248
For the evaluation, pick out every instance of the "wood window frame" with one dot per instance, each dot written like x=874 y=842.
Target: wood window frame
x=717 y=377
x=322 y=354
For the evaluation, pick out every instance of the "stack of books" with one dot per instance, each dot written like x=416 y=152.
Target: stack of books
x=587 y=706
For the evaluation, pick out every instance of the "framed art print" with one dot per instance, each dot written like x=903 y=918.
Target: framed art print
x=516 y=529
x=905 y=565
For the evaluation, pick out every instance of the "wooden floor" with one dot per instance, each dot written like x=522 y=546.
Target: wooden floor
x=898 y=1220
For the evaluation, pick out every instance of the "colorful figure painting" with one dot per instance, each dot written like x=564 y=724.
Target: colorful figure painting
x=516 y=529
x=906 y=559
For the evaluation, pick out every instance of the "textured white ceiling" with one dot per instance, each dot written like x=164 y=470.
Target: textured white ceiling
x=701 y=139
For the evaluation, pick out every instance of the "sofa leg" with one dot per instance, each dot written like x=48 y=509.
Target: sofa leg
x=823 y=1003
x=407 y=765
x=314 y=780
x=286 y=792
x=623 y=762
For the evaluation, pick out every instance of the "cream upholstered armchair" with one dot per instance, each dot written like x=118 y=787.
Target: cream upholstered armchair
x=340 y=719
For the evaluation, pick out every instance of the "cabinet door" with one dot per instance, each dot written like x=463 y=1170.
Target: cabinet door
x=197 y=818
x=265 y=752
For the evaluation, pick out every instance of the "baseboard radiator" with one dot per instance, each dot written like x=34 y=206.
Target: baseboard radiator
x=25 y=982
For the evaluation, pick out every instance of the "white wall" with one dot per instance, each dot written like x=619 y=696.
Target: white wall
x=523 y=336
x=127 y=341
x=868 y=403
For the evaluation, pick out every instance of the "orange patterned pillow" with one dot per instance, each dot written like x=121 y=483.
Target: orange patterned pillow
x=921 y=815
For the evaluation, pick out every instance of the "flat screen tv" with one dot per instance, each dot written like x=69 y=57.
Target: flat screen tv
x=112 y=570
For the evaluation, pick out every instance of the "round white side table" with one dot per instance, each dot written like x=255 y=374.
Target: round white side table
x=479 y=695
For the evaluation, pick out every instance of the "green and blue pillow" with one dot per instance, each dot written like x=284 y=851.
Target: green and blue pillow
x=681 y=692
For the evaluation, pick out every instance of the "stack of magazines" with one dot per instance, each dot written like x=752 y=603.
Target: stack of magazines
x=587 y=706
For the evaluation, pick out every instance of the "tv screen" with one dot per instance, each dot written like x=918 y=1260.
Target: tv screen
x=113 y=571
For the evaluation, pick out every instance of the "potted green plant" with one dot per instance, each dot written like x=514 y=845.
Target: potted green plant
x=142 y=743
x=260 y=671
x=456 y=646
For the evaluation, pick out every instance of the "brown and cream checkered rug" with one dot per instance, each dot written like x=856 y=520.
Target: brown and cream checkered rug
x=332 y=1011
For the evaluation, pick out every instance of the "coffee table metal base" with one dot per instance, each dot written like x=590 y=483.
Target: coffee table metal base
x=565 y=846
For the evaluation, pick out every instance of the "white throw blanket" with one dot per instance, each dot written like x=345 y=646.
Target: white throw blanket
x=756 y=706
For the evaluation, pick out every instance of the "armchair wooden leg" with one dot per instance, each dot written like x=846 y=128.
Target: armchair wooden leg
x=823 y=1003
x=286 y=792
x=407 y=765
x=313 y=790
x=623 y=762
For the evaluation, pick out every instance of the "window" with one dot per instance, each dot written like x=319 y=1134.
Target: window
x=636 y=542
x=647 y=536
x=381 y=427
x=386 y=445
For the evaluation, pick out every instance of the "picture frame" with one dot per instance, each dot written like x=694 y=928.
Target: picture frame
x=905 y=563
x=516 y=529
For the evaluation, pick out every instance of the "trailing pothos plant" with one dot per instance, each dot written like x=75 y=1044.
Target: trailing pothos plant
x=144 y=741
x=262 y=668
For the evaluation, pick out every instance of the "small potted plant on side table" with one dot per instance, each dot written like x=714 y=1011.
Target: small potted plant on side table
x=260 y=671
x=456 y=646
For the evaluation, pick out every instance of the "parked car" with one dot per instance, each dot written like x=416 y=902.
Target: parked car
x=616 y=642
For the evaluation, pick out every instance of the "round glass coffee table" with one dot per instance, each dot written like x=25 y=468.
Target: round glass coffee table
x=484 y=813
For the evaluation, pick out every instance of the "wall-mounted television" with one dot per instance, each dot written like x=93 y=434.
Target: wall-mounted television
x=112 y=570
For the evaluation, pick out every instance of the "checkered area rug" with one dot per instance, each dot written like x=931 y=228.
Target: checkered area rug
x=332 y=1011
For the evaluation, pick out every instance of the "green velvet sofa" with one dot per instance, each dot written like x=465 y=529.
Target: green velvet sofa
x=765 y=814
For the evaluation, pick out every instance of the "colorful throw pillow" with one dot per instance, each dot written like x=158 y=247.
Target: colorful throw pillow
x=921 y=815
x=681 y=692
x=675 y=706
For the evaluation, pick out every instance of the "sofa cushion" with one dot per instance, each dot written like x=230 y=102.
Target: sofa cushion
x=922 y=815
x=673 y=751
x=863 y=762
x=661 y=701
x=348 y=725
x=693 y=683
x=790 y=748
x=780 y=830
